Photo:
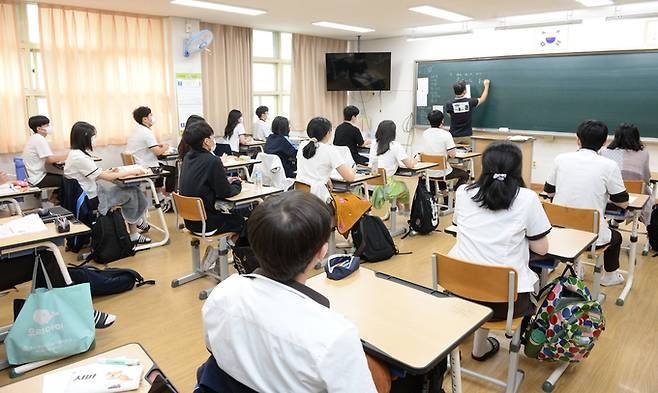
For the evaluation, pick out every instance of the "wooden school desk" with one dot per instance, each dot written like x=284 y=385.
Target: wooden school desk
x=404 y=324
x=654 y=186
x=249 y=194
x=148 y=179
x=11 y=195
x=240 y=164
x=466 y=160
x=29 y=241
x=252 y=144
x=360 y=180
x=129 y=351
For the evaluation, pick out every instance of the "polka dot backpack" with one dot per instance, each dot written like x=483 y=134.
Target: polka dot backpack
x=567 y=324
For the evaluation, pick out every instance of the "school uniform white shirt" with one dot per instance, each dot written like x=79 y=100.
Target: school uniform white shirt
x=390 y=160
x=317 y=169
x=273 y=338
x=35 y=153
x=139 y=145
x=438 y=142
x=234 y=140
x=261 y=130
x=81 y=167
x=500 y=237
x=586 y=179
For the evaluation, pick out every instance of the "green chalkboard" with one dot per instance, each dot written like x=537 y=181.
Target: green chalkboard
x=552 y=92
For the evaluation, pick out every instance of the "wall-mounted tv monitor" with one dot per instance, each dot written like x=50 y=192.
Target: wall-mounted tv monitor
x=358 y=71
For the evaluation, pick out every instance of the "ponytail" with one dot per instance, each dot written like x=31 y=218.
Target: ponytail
x=501 y=178
x=233 y=119
x=316 y=129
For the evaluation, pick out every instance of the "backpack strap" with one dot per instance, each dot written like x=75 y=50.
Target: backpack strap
x=362 y=247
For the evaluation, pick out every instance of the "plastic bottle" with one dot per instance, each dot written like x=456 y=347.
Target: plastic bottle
x=535 y=342
x=258 y=180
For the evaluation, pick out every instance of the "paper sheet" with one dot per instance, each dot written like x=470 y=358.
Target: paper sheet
x=423 y=85
x=437 y=108
x=20 y=226
x=468 y=91
x=421 y=98
x=631 y=200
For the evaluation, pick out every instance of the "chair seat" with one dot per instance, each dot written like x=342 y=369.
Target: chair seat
x=501 y=325
x=215 y=235
x=440 y=179
x=601 y=250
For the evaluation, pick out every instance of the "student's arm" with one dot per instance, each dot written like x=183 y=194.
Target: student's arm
x=346 y=172
x=549 y=186
x=244 y=139
x=114 y=173
x=409 y=162
x=615 y=187
x=539 y=246
x=220 y=184
x=451 y=148
x=290 y=151
x=56 y=158
x=537 y=225
x=358 y=138
x=485 y=93
x=452 y=153
x=159 y=150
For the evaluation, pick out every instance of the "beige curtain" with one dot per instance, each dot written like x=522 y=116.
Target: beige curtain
x=226 y=75
x=99 y=66
x=13 y=118
x=309 y=96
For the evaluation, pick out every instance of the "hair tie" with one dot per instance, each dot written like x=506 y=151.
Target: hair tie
x=499 y=176
x=314 y=140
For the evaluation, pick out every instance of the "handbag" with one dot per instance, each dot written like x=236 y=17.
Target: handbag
x=53 y=323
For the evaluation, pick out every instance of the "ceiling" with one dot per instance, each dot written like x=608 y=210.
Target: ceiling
x=388 y=17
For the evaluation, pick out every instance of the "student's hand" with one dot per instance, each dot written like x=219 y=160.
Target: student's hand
x=113 y=170
x=3 y=177
x=367 y=142
x=234 y=179
x=486 y=82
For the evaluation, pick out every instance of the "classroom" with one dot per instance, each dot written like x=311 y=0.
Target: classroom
x=226 y=196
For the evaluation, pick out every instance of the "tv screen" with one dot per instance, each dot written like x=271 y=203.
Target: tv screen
x=358 y=71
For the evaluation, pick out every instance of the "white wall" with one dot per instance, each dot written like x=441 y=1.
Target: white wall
x=594 y=34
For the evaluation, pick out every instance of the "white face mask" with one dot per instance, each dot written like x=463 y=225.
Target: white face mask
x=152 y=120
x=93 y=140
x=49 y=130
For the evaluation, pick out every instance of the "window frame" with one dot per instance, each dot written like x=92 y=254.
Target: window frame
x=279 y=93
x=29 y=52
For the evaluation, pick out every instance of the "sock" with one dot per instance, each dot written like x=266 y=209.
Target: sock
x=480 y=343
x=134 y=236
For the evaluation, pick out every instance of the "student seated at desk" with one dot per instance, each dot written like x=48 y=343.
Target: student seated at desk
x=627 y=150
x=261 y=130
x=270 y=332
x=500 y=222
x=79 y=165
x=37 y=154
x=278 y=144
x=587 y=180
x=203 y=176
x=316 y=159
x=387 y=153
x=234 y=133
x=347 y=134
x=439 y=142
x=146 y=150
x=183 y=148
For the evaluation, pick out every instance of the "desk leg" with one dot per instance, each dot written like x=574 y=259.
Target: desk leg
x=395 y=231
x=164 y=230
x=455 y=371
x=631 y=260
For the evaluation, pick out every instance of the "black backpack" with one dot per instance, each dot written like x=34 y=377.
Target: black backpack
x=107 y=281
x=424 y=216
x=372 y=240
x=652 y=228
x=110 y=240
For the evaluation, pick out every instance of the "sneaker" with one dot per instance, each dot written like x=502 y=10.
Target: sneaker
x=612 y=279
x=165 y=205
x=144 y=226
x=141 y=239
x=103 y=320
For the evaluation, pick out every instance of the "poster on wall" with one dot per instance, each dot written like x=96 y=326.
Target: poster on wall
x=189 y=96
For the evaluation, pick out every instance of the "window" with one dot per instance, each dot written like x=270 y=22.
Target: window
x=35 y=86
x=272 y=75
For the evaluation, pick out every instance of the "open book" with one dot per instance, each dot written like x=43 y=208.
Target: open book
x=94 y=378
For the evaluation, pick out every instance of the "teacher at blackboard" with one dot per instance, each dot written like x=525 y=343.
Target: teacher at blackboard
x=460 y=110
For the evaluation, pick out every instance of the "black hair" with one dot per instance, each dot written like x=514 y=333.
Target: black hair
x=350 y=111
x=260 y=110
x=286 y=231
x=435 y=118
x=183 y=147
x=317 y=128
x=459 y=87
x=627 y=137
x=501 y=176
x=384 y=135
x=196 y=133
x=37 y=121
x=81 y=134
x=233 y=119
x=592 y=134
x=140 y=113
x=280 y=126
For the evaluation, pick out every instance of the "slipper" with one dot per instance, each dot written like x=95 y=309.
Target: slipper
x=495 y=347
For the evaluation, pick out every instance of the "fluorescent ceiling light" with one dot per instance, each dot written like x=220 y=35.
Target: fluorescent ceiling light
x=595 y=3
x=632 y=16
x=219 y=7
x=437 y=35
x=544 y=24
x=339 y=26
x=440 y=13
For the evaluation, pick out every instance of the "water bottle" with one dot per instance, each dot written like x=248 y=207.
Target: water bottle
x=258 y=180
x=535 y=343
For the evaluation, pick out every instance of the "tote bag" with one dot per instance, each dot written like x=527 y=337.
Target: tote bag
x=53 y=323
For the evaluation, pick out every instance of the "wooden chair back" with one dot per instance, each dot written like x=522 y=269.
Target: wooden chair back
x=572 y=217
x=634 y=186
x=441 y=160
x=299 y=186
x=484 y=283
x=127 y=158
x=378 y=181
x=189 y=208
